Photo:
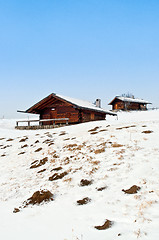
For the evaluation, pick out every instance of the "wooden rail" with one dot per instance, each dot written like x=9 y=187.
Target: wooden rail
x=43 y=120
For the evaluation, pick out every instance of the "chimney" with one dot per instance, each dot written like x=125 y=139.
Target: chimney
x=98 y=103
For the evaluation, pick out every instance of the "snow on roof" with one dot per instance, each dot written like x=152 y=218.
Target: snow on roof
x=83 y=104
x=127 y=99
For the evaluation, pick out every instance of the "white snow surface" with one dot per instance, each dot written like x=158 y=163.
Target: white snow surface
x=134 y=162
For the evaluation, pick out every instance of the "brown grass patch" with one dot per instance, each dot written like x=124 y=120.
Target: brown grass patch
x=68 y=180
x=73 y=147
x=23 y=146
x=126 y=127
x=55 y=156
x=147 y=132
x=93 y=133
x=23 y=139
x=134 y=189
x=21 y=153
x=113 y=169
x=97 y=151
x=10 y=139
x=3 y=155
x=105 y=226
x=57 y=176
x=83 y=201
x=37 y=163
x=6 y=146
x=85 y=182
x=43 y=170
x=16 y=210
x=38 y=150
x=116 y=145
x=95 y=162
x=103 y=130
x=62 y=133
x=51 y=143
x=66 y=160
x=94 y=169
x=101 y=188
x=73 y=138
x=39 y=197
x=56 y=169
x=93 y=130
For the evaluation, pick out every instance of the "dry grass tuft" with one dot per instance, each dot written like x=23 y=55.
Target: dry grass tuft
x=38 y=150
x=105 y=226
x=83 y=201
x=94 y=169
x=93 y=130
x=134 y=189
x=116 y=145
x=10 y=139
x=68 y=180
x=97 y=151
x=148 y=131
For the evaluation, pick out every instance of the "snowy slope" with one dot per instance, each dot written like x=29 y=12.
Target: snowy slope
x=114 y=156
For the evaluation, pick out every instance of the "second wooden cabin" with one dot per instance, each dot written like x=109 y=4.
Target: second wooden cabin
x=128 y=103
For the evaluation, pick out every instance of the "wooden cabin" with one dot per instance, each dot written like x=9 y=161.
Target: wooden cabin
x=128 y=103
x=56 y=106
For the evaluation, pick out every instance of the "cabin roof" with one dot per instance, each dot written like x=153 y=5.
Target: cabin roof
x=76 y=102
x=128 y=99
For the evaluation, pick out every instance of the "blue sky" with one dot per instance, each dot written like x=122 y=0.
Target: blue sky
x=85 y=49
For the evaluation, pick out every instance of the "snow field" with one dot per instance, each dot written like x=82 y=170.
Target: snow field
x=116 y=156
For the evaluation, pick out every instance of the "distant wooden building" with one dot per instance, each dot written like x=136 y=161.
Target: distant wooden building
x=127 y=103
x=56 y=106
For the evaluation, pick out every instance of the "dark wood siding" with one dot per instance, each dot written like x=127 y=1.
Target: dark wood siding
x=53 y=107
x=92 y=116
x=119 y=105
x=60 y=110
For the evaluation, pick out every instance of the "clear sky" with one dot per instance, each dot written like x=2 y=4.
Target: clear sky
x=85 y=49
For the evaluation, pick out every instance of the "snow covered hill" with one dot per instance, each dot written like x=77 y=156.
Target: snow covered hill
x=89 y=169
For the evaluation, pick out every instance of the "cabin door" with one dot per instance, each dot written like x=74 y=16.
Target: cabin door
x=92 y=116
x=53 y=115
x=115 y=106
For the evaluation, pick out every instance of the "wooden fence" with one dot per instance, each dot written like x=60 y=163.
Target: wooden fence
x=40 y=126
